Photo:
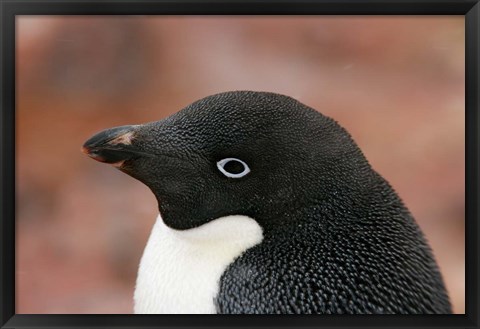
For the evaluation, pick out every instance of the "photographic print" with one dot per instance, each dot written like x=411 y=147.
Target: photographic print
x=245 y=164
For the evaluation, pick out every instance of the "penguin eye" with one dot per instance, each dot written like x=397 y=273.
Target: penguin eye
x=234 y=168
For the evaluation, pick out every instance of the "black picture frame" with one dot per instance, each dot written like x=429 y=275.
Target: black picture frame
x=10 y=8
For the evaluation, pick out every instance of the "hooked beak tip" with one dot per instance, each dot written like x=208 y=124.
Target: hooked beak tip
x=85 y=150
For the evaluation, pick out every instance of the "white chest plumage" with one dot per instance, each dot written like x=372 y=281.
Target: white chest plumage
x=180 y=270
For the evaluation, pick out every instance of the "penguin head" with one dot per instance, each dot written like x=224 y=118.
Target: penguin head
x=256 y=154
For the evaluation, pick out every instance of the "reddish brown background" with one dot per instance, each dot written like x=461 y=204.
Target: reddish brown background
x=396 y=83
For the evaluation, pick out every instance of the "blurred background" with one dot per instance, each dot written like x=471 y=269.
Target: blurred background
x=395 y=83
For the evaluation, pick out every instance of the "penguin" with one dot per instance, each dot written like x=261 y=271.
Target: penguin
x=266 y=206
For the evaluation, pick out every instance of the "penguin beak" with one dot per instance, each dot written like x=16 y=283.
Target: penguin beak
x=112 y=146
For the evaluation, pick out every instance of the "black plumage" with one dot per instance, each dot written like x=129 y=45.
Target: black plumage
x=337 y=238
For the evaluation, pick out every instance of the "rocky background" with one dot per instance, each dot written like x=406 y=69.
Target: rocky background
x=395 y=83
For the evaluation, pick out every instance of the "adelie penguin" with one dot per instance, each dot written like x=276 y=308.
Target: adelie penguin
x=267 y=206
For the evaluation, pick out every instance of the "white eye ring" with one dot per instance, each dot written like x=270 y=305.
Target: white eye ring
x=222 y=163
